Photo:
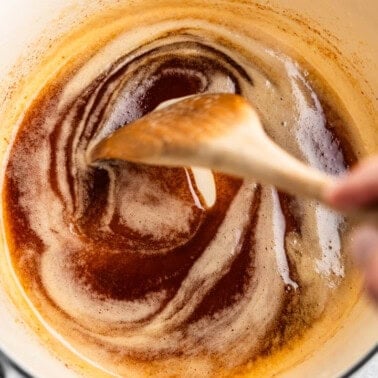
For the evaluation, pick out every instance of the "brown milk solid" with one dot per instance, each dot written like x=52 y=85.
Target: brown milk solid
x=130 y=264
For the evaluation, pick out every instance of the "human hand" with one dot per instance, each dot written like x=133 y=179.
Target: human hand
x=360 y=188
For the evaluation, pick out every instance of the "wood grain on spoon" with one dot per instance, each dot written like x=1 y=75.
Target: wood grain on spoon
x=176 y=129
x=221 y=132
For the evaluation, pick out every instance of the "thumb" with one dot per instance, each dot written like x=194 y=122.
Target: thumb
x=358 y=188
x=364 y=248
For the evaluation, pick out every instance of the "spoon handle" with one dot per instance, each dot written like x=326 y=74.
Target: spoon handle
x=285 y=172
x=262 y=160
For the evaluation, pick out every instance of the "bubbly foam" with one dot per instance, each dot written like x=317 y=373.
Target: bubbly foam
x=279 y=240
x=186 y=271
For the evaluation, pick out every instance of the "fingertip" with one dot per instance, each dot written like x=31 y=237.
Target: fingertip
x=371 y=279
x=329 y=193
x=364 y=245
x=336 y=196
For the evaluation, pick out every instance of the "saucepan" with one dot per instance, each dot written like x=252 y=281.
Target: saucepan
x=29 y=28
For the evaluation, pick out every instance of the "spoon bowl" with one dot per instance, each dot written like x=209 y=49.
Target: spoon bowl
x=216 y=131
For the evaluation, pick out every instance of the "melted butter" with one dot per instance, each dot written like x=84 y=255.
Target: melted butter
x=144 y=268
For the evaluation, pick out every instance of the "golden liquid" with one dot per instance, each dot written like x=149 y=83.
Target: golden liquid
x=308 y=302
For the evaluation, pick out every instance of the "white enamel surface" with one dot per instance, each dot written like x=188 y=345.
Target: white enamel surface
x=20 y=22
x=205 y=183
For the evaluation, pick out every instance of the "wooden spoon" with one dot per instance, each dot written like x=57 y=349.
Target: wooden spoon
x=221 y=132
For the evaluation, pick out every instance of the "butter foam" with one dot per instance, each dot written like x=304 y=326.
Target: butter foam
x=136 y=266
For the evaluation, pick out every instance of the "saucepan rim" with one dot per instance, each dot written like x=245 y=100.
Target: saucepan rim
x=355 y=367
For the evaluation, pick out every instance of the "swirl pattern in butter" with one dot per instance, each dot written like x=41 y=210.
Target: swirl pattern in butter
x=140 y=268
